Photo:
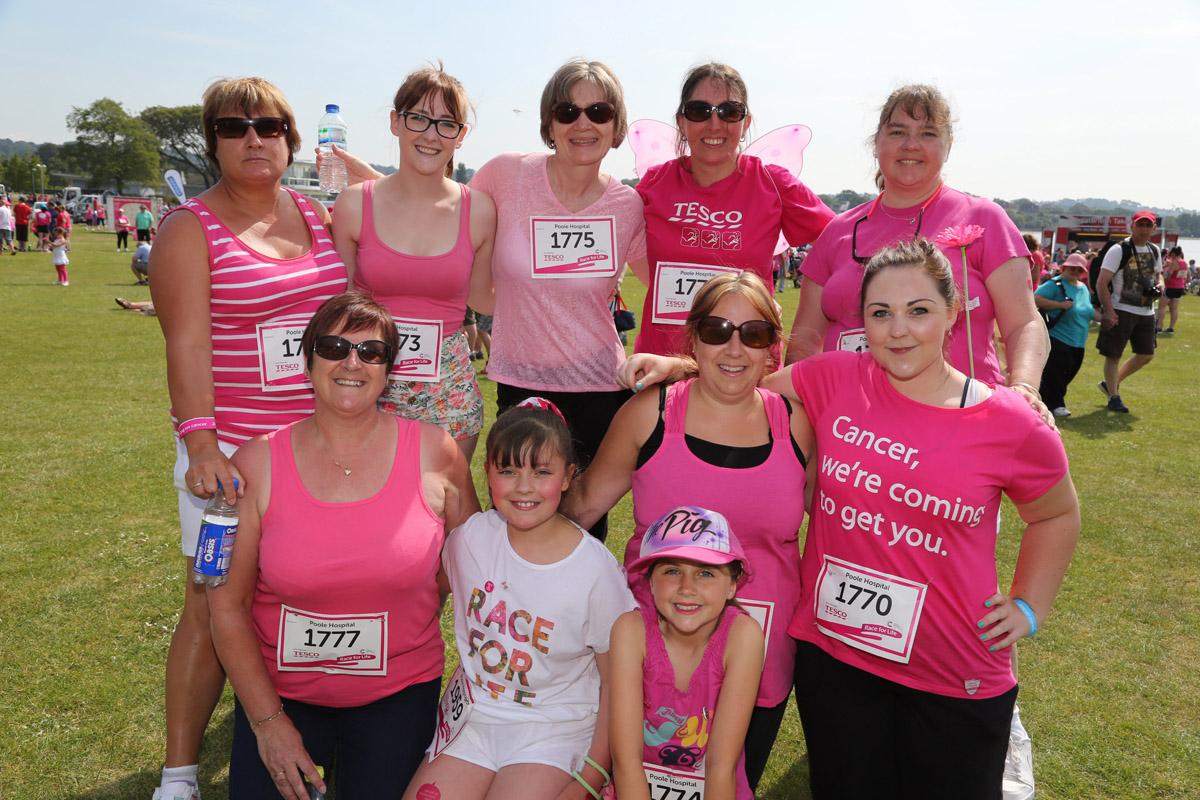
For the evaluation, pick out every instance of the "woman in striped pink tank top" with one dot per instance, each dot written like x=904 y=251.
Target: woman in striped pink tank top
x=421 y=244
x=239 y=272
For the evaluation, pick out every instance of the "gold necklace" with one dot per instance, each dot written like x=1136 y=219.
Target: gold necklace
x=342 y=467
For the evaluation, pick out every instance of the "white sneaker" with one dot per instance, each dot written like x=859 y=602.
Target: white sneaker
x=177 y=790
x=1062 y=411
x=65 y=283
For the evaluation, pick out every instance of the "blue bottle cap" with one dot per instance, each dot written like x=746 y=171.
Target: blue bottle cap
x=332 y=108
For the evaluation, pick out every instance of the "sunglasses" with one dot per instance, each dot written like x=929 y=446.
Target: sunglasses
x=419 y=123
x=700 y=111
x=236 y=127
x=335 y=348
x=756 y=333
x=599 y=113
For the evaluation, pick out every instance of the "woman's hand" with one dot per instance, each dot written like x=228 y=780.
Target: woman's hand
x=646 y=369
x=207 y=465
x=1035 y=402
x=282 y=752
x=1004 y=624
x=357 y=170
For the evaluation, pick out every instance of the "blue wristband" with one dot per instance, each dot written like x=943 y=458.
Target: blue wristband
x=1029 y=615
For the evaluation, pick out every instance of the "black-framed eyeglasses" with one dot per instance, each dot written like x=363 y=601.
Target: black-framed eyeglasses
x=335 y=348
x=756 y=333
x=236 y=127
x=700 y=111
x=419 y=123
x=854 y=235
x=599 y=113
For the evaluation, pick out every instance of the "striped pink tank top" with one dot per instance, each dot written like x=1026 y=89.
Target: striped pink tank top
x=416 y=287
x=260 y=306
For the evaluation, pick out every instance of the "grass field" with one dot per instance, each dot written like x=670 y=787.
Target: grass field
x=91 y=575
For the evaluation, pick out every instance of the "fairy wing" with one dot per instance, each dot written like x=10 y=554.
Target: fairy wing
x=652 y=142
x=783 y=147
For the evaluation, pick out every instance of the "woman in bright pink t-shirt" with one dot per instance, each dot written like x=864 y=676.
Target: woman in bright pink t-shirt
x=1175 y=274
x=912 y=142
x=714 y=210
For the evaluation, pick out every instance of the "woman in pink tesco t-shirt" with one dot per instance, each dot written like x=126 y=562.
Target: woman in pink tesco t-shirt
x=714 y=210
x=911 y=143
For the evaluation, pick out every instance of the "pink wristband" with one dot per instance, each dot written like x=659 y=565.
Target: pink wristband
x=196 y=424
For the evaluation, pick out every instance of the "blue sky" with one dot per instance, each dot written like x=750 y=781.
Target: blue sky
x=1051 y=99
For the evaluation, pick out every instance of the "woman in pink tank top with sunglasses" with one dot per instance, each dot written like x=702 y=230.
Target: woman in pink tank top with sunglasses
x=421 y=245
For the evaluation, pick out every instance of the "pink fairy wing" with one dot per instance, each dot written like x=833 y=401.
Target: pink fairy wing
x=652 y=142
x=783 y=147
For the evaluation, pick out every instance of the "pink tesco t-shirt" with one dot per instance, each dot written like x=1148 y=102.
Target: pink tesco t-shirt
x=901 y=547
x=693 y=232
x=831 y=266
x=555 y=332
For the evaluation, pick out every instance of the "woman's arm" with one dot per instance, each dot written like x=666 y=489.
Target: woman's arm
x=641 y=268
x=609 y=476
x=781 y=383
x=625 y=701
x=482 y=294
x=1045 y=302
x=641 y=370
x=1051 y=533
x=735 y=704
x=1026 y=343
x=181 y=294
x=279 y=743
x=598 y=750
x=446 y=477
x=347 y=227
x=808 y=327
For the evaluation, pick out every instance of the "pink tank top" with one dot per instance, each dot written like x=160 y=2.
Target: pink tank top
x=259 y=307
x=765 y=508
x=677 y=725
x=417 y=287
x=368 y=567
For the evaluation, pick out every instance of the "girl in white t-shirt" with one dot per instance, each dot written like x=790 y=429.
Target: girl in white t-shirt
x=535 y=599
x=58 y=254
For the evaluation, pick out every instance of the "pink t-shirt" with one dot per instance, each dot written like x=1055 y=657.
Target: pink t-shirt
x=734 y=225
x=831 y=266
x=555 y=333
x=416 y=287
x=368 y=567
x=1176 y=271
x=901 y=547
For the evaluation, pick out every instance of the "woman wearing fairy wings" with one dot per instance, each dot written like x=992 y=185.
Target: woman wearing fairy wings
x=715 y=208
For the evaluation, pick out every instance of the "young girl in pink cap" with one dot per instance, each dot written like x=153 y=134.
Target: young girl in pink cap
x=685 y=669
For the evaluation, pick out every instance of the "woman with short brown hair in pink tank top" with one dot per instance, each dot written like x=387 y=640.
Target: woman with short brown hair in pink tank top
x=421 y=245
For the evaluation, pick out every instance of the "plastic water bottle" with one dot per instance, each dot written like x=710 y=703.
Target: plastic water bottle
x=218 y=529
x=331 y=130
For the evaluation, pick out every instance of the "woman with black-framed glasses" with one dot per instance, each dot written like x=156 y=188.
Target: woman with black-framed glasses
x=719 y=439
x=714 y=209
x=241 y=268
x=328 y=624
x=421 y=244
x=911 y=143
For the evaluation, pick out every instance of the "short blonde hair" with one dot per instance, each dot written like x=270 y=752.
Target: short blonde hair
x=249 y=96
x=558 y=90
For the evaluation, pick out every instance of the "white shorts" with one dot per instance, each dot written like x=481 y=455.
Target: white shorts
x=191 y=508
x=495 y=745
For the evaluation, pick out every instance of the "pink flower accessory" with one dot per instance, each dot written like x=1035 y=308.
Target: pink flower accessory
x=962 y=236
x=542 y=404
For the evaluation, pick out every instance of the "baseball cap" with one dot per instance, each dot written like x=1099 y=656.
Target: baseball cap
x=1076 y=260
x=1145 y=213
x=691 y=533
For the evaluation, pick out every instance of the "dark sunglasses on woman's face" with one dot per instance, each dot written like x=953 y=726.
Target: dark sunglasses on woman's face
x=419 y=123
x=236 y=127
x=599 y=113
x=700 y=111
x=335 y=348
x=756 y=333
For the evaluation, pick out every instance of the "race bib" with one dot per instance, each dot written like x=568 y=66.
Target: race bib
x=453 y=712
x=852 y=341
x=573 y=247
x=672 y=784
x=280 y=362
x=675 y=286
x=420 y=355
x=868 y=609
x=339 y=644
x=762 y=612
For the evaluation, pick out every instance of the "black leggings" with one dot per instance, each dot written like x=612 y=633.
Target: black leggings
x=1062 y=366
x=760 y=738
x=870 y=737
x=367 y=751
x=123 y=239
x=588 y=415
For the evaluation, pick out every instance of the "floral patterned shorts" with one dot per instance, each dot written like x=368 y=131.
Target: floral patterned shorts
x=454 y=403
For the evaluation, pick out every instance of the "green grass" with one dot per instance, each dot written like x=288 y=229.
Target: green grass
x=91 y=577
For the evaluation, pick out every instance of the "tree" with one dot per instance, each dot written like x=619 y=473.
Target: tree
x=181 y=139
x=113 y=146
x=462 y=174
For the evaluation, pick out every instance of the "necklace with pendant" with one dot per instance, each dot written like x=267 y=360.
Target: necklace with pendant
x=344 y=468
x=906 y=220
